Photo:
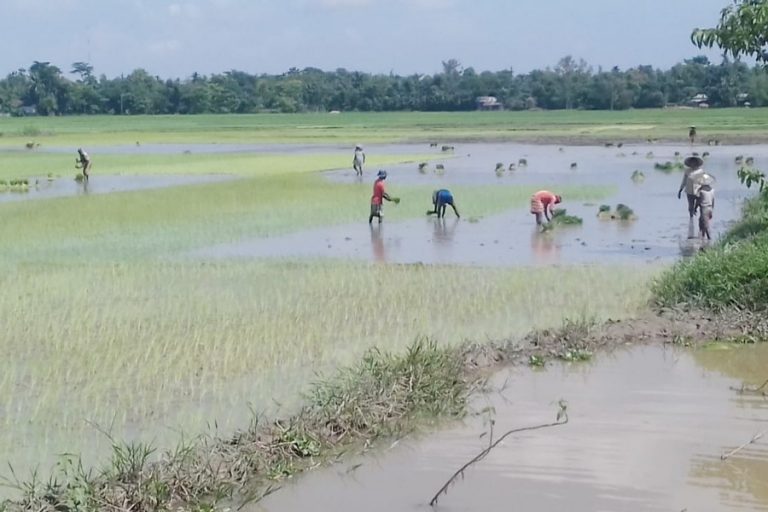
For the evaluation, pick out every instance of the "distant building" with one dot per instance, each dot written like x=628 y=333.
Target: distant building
x=28 y=110
x=700 y=100
x=488 y=103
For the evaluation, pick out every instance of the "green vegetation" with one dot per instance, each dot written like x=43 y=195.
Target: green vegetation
x=350 y=128
x=734 y=273
x=668 y=167
x=622 y=212
x=741 y=30
x=385 y=395
x=571 y=85
x=637 y=176
x=560 y=217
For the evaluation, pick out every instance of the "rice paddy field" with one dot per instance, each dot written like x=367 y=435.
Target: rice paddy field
x=109 y=323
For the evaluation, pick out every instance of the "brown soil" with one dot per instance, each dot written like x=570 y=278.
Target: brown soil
x=677 y=327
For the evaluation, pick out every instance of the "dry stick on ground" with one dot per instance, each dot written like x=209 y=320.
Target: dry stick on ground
x=750 y=389
x=562 y=419
x=754 y=439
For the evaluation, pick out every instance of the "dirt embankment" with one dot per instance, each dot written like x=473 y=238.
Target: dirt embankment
x=573 y=340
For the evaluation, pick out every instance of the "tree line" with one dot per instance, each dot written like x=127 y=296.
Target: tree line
x=44 y=89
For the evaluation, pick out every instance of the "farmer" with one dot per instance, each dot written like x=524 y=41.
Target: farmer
x=440 y=199
x=694 y=172
x=358 y=160
x=706 y=202
x=543 y=204
x=83 y=162
x=379 y=194
x=692 y=134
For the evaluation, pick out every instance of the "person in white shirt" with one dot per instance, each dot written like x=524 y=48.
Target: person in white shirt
x=706 y=201
x=691 y=182
x=358 y=160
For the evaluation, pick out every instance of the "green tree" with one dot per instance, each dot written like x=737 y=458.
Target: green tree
x=742 y=30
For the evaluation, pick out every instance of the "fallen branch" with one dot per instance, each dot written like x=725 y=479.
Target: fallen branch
x=751 y=389
x=562 y=419
x=754 y=439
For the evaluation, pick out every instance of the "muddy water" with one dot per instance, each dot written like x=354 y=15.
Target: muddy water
x=661 y=233
x=647 y=428
x=42 y=188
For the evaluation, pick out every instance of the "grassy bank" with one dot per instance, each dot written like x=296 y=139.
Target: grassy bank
x=732 y=274
x=731 y=125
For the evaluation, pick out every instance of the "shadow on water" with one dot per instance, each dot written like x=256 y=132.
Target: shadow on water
x=661 y=233
x=647 y=427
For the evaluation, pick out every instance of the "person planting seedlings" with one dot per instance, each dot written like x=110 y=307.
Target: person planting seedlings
x=358 y=160
x=693 y=174
x=379 y=195
x=83 y=162
x=692 y=134
x=542 y=205
x=706 y=202
x=440 y=200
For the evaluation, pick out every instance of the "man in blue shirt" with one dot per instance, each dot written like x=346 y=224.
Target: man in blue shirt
x=440 y=199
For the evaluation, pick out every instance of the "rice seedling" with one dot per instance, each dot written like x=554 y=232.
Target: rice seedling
x=523 y=162
x=668 y=166
x=604 y=208
x=649 y=155
x=560 y=217
x=624 y=212
x=195 y=341
x=749 y=161
x=440 y=169
x=511 y=166
x=739 y=160
x=574 y=165
x=423 y=168
x=638 y=176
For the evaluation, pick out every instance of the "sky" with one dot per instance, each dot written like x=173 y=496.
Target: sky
x=175 y=38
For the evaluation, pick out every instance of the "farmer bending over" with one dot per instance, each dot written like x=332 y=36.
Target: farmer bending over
x=441 y=199
x=358 y=160
x=543 y=204
x=691 y=182
x=83 y=162
x=379 y=194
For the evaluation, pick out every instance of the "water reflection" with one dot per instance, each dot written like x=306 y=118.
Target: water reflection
x=377 y=243
x=444 y=231
x=544 y=247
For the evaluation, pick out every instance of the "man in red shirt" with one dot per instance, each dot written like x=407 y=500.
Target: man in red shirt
x=379 y=194
x=543 y=204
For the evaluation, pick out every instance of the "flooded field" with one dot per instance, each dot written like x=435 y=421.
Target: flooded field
x=661 y=232
x=647 y=429
x=43 y=188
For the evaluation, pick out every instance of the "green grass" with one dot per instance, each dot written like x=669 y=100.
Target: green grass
x=29 y=165
x=352 y=128
x=183 y=344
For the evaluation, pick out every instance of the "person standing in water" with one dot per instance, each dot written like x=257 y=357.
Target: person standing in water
x=358 y=160
x=692 y=134
x=440 y=200
x=379 y=195
x=543 y=205
x=694 y=173
x=83 y=162
x=706 y=202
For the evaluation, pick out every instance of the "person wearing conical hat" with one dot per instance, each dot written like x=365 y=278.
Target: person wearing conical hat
x=691 y=183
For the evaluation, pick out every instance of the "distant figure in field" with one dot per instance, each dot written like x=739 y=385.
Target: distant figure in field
x=379 y=195
x=692 y=134
x=692 y=177
x=706 y=202
x=358 y=160
x=440 y=200
x=83 y=162
x=543 y=204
